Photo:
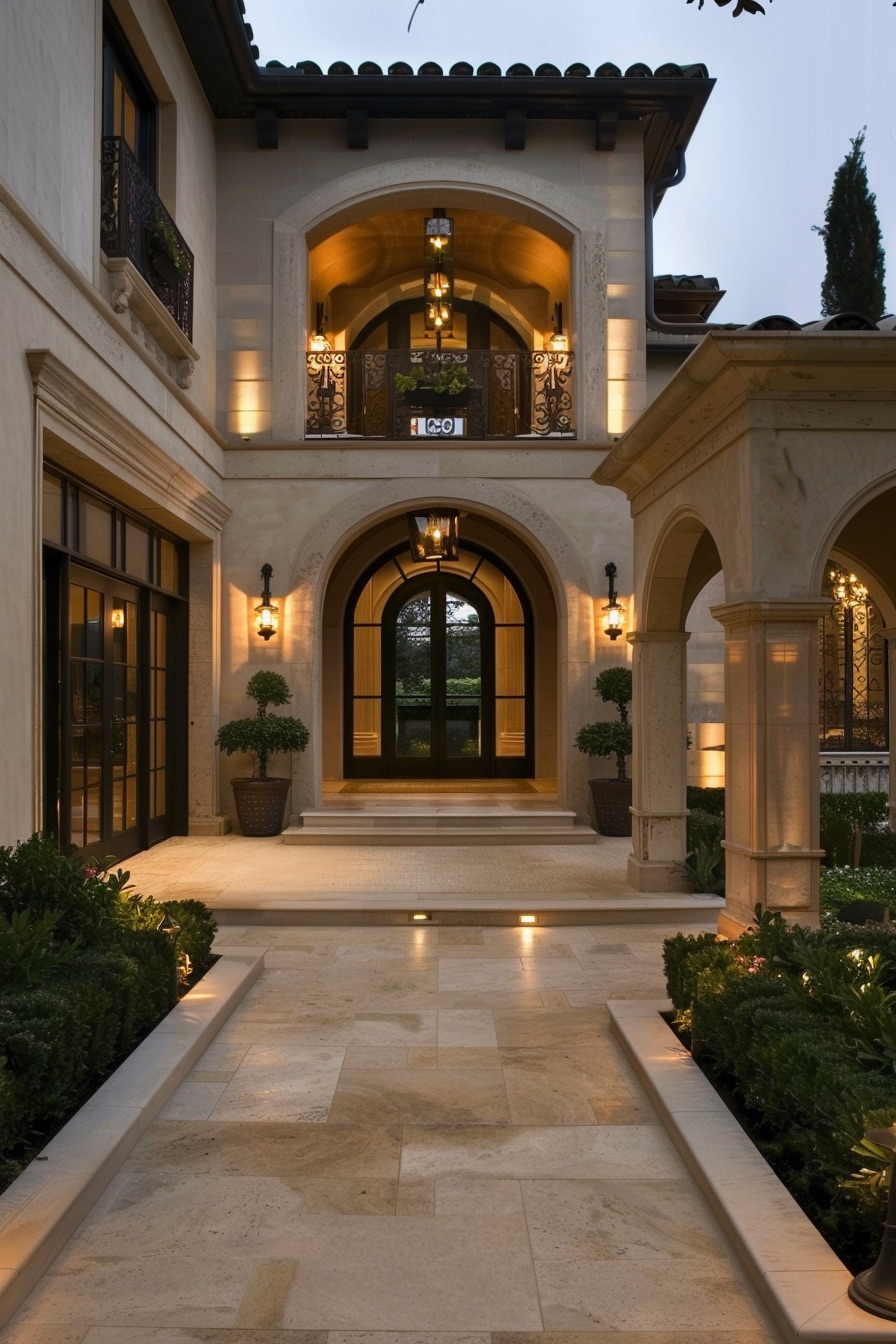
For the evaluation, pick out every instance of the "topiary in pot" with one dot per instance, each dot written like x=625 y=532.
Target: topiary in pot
x=612 y=797
x=260 y=801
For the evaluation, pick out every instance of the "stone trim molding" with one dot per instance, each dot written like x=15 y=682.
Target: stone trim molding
x=122 y=450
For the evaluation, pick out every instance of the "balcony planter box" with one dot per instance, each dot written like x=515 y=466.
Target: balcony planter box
x=163 y=266
x=427 y=399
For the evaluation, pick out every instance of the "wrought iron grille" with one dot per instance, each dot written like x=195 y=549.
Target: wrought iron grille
x=135 y=224
x=506 y=394
x=853 y=689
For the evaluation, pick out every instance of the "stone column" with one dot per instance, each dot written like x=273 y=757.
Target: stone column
x=771 y=766
x=659 y=765
x=890 y=636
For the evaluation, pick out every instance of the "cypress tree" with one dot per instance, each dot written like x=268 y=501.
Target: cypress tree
x=854 y=279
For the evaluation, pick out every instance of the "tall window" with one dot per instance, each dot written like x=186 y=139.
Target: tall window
x=129 y=106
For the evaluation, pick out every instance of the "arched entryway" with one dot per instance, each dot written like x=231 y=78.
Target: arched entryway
x=438 y=670
x=443 y=672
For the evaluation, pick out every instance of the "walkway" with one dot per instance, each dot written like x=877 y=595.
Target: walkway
x=274 y=881
x=404 y=1134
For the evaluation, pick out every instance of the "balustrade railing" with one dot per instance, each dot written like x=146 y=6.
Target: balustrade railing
x=469 y=394
x=855 y=772
x=135 y=224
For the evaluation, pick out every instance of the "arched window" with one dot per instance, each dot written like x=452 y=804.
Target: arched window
x=853 y=670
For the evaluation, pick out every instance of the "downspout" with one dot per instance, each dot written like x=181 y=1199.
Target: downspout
x=655 y=323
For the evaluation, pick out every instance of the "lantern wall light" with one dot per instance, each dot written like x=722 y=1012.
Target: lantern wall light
x=267 y=615
x=319 y=340
x=614 y=611
x=558 y=341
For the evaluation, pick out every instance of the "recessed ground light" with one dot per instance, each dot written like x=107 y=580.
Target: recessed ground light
x=528 y=919
x=419 y=917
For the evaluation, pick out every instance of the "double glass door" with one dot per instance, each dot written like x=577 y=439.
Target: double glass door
x=438 y=679
x=114 y=733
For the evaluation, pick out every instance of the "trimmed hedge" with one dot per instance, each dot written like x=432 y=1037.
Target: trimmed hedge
x=797 y=1026
x=59 y=1040
x=86 y=971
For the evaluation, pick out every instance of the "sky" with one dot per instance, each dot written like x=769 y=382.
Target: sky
x=793 y=88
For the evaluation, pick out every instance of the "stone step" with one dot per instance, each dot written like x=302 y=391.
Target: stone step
x=438 y=825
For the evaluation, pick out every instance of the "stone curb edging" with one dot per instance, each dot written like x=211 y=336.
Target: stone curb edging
x=798 y=1277
x=44 y=1206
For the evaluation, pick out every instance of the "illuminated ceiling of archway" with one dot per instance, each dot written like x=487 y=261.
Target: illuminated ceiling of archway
x=381 y=249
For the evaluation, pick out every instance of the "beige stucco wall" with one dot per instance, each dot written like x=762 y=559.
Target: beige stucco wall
x=104 y=405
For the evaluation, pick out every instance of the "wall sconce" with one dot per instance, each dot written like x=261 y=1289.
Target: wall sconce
x=558 y=341
x=118 y=618
x=846 y=593
x=433 y=534
x=319 y=340
x=614 y=611
x=267 y=615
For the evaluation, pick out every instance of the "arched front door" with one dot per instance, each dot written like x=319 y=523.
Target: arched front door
x=439 y=674
x=438 y=679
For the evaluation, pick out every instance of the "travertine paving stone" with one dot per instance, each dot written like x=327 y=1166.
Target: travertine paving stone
x=408 y=1136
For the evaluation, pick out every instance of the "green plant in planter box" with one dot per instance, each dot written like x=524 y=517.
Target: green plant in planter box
x=614 y=686
x=264 y=735
x=164 y=242
x=445 y=378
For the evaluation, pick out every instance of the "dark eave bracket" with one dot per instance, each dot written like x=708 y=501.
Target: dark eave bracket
x=267 y=132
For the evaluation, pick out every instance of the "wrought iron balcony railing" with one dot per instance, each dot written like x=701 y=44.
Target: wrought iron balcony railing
x=135 y=224
x=494 y=394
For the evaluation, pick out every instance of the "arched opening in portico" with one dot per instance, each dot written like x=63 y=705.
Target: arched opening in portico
x=685 y=559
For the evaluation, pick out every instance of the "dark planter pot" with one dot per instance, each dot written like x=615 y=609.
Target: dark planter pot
x=426 y=399
x=612 y=799
x=260 y=804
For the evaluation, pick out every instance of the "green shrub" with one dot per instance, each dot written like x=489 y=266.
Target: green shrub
x=800 y=1027
x=838 y=839
x=878 y=849
x=28 y=950
x=706 y=800
x=842 y=886
x=867 y=810
x=198 y=927
x=705 y=863
x=36 y=876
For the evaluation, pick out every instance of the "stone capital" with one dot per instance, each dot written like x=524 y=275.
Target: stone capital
x=778 y=610
x=658 y=636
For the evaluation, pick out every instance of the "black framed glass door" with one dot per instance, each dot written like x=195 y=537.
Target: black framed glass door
x=438 y=680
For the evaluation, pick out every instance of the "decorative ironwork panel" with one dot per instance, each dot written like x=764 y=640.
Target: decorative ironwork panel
x=503 y=377
x=853 y=688
x=553 y=408
x=325 y=385
x=466 y=394
x=135 y=224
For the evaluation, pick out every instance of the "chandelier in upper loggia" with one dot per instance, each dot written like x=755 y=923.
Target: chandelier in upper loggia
x=438 y=276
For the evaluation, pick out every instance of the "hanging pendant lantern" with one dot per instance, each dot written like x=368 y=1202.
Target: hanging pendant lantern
x=433 y=534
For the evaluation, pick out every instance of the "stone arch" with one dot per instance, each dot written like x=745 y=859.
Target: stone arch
x=685 y=557
x=365 y=523
x=410 y=182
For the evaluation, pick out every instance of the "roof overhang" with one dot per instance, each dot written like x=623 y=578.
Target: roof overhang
x=668 y=102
